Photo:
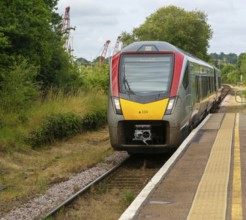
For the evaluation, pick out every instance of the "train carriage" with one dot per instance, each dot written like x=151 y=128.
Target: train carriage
x=157 y=94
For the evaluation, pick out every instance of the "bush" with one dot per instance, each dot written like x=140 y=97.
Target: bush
x=55 y=127
x=94 y=120
x=59 y=126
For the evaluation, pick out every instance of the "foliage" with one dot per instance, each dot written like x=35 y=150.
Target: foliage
x=219 y=60
x=95 y=119
x=59 y=126
x=96 y=77
x=32 y=29
x=230 y=74
x=242 y=67
x=233 y=67
x=224 y=58
x=187 y=30
x=235 y=73
x=65 y=74
x=129 y=197
x=17 y=87
x=82 y=61
x=55 y=127
x=16 y=125
x=128 y=38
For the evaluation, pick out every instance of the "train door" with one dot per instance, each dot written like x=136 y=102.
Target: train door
x=188 y=102
x=195 y=91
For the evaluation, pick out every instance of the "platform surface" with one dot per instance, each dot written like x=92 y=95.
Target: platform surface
x=208 y=180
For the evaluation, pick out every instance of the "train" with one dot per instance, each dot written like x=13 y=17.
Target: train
x=158 y=93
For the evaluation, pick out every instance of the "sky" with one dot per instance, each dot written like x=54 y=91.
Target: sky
x=97 y=21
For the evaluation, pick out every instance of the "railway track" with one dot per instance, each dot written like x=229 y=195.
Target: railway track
x=231 y=98
x=68 y=201
x=128 y=178
x=131 y=176
x=226 y=90
x=136 y=172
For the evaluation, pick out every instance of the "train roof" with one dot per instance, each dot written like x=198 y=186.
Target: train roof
x=162 y=46
x=159 y=45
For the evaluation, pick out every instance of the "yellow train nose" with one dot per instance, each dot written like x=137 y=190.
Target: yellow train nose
x=138 y=111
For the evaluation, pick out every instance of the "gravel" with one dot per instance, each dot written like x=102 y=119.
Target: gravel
x=60 y=192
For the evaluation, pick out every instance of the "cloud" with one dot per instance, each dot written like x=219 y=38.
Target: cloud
x=98 y=21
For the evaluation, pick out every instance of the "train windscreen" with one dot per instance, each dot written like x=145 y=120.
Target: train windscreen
x=145 y=74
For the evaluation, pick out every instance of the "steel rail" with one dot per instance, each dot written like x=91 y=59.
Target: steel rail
x=83 y=190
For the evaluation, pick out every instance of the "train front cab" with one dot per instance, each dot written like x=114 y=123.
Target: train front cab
x=157 y=97
x=143 y=94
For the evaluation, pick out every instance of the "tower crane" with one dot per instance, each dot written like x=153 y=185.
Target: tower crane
x=66 y=31
x=116 y=47
x=104 y=52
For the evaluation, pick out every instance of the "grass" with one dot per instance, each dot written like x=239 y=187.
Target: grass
x=79 y=104
x=15 y=126
x=28 y=172
x=129 y=197
x=107 y=205
x=102 y=202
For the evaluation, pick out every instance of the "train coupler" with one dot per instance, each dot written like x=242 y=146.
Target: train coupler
x=142 y=133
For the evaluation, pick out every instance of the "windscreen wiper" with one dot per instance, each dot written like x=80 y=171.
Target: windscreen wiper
x=126 y=83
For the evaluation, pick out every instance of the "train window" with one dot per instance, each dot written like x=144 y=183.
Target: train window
x=186 y=77
x=204 y=86
x=219 y=81
x=197 y=88
x=215 y=81
x=212 y=84
x=145 y=74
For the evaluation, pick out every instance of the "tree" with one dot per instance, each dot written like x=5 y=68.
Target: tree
x=186 y=30
x=220 y=60
x=232 y=58
x=18 y=89
x=230 y=74
x=96 y=78
x=242 y=65
x=31 y=30
x=82 y=61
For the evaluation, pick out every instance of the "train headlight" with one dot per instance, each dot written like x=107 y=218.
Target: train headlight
x=170 y=106
x=117 y=106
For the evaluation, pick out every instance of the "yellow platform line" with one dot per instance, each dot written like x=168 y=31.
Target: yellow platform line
x=210 y=200
x=236 y=211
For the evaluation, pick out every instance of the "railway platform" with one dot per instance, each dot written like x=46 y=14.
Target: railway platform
x=204 y=179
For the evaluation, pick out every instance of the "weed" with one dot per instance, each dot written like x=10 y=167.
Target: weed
x=128 y=197
x=102 y=187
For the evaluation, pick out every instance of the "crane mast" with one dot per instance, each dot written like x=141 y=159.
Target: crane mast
x=116 y=47
x=104 y=52
x=66 y=31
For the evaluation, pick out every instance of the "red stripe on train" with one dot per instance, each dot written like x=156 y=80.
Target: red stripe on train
x=178 y=64
x=115 y=75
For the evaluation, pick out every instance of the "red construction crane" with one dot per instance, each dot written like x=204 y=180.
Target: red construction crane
x=116 y=47
x=66 y=30
x=104 y=52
